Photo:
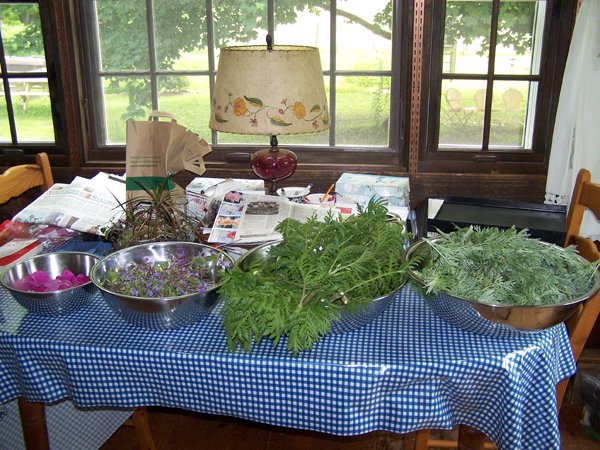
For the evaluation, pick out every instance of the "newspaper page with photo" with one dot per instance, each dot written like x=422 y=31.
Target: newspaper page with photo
x=84 y=205
x=251 y=219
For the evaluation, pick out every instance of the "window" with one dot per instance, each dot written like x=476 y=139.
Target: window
x=493 y=83
x=25 y=105
x=150 y=54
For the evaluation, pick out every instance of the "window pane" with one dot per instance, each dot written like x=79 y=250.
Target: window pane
x=123 y=35
x=303 y=28
x=520 y=30
x=467 y=36
x=24 y=55
x=239 y=22
x=179 y=34
x=511 y=114
x=22 y=37
x=181 y=39
x=186 y=97
x=4 y=126
x=360 y=48
x=33 y=118
x=117 y=106
x=462 y=106
x=363 y=105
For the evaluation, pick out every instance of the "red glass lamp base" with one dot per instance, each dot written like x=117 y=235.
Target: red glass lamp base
x=273 y=164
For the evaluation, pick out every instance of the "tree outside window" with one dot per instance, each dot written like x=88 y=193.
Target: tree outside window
x=165 y=58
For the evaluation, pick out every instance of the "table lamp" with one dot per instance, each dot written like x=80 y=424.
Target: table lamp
x=270 y=90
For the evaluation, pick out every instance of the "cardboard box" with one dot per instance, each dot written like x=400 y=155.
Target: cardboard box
x=360 y=188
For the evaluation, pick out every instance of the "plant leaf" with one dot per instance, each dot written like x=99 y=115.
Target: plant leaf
x=256 y=102
x=278 y=121
x=220 y=119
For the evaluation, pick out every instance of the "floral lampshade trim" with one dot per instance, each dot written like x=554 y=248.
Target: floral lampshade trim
x=284 y=115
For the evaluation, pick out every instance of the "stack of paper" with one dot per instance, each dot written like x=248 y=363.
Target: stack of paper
x=86 y=205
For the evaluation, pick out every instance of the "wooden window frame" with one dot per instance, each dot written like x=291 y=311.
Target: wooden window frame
x=16 y=151
x=229 y=155
x=556 y=36
x=501 y=180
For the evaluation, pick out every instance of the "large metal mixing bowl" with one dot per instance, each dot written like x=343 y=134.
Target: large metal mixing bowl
x=256 y=258
x=167 y=312
x=489 y=319
x=54 y=303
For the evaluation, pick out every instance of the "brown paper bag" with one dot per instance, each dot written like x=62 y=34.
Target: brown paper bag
x=156 y=148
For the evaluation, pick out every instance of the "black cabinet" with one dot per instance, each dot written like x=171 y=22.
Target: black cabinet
x=545 y=222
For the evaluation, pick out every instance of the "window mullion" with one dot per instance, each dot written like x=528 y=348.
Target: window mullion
x=332 y=69
x=489 y=93
x=210 y=43
x=271 y=19
x=8 y=98
x=152 y=53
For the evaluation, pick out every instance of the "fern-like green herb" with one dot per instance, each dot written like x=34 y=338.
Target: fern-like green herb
x=504 y=267
x=319 y=270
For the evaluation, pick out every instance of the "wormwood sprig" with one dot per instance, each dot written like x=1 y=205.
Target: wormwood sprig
x=320 y=270
x=504 y=267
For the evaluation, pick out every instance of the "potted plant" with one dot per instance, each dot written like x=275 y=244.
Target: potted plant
x=159 y=217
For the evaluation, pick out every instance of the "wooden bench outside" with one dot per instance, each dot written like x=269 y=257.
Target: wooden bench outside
x=26 y=87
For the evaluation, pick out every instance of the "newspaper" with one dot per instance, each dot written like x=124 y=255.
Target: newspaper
x=86 y=205
x=247 y=218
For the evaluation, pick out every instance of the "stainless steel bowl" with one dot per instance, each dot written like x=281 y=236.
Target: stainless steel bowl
x=256 y=258
x=160 y=313
x=57 y=302
x=489 y=319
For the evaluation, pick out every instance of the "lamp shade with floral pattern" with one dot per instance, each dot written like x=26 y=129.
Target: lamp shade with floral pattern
x=270 y=90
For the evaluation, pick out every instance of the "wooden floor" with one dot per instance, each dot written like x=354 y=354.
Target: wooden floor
x=181 y=430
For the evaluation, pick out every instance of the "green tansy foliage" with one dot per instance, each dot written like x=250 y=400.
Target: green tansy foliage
x=319 y=270
x=504 y=267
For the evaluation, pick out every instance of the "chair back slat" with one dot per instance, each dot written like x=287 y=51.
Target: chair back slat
x=19 y=179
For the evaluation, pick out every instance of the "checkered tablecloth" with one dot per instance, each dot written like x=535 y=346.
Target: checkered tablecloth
x=406 y=370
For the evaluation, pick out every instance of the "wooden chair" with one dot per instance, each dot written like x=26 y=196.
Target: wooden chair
x=18 y=179
x=14 y=182
x=513 y=106
x=480 y=100
x=586 y=195
x=456 y=113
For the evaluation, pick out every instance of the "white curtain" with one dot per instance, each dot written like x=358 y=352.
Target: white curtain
x=576 y=139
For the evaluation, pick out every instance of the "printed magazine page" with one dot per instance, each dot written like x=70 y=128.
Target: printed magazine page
x=84 y=205
x=250 y=218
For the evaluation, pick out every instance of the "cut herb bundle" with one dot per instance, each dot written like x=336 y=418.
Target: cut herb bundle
x=319 y=270
x=504 y=267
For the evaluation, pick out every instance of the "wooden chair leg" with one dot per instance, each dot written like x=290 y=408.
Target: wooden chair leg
x=142 y=429
x=33 y=422
x=470 y=438
x=422 y=439
x=561 y=389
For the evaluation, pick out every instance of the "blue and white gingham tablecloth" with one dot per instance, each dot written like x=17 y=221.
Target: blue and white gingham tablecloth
x=406 y=370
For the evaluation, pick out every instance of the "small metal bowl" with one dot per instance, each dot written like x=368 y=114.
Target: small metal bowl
x=488 y=319
x=57 y=302
x=255 y=259
x=160 y=313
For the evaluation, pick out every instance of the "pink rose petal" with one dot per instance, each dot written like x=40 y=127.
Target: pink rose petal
x=40 y=276
x=40 y=281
